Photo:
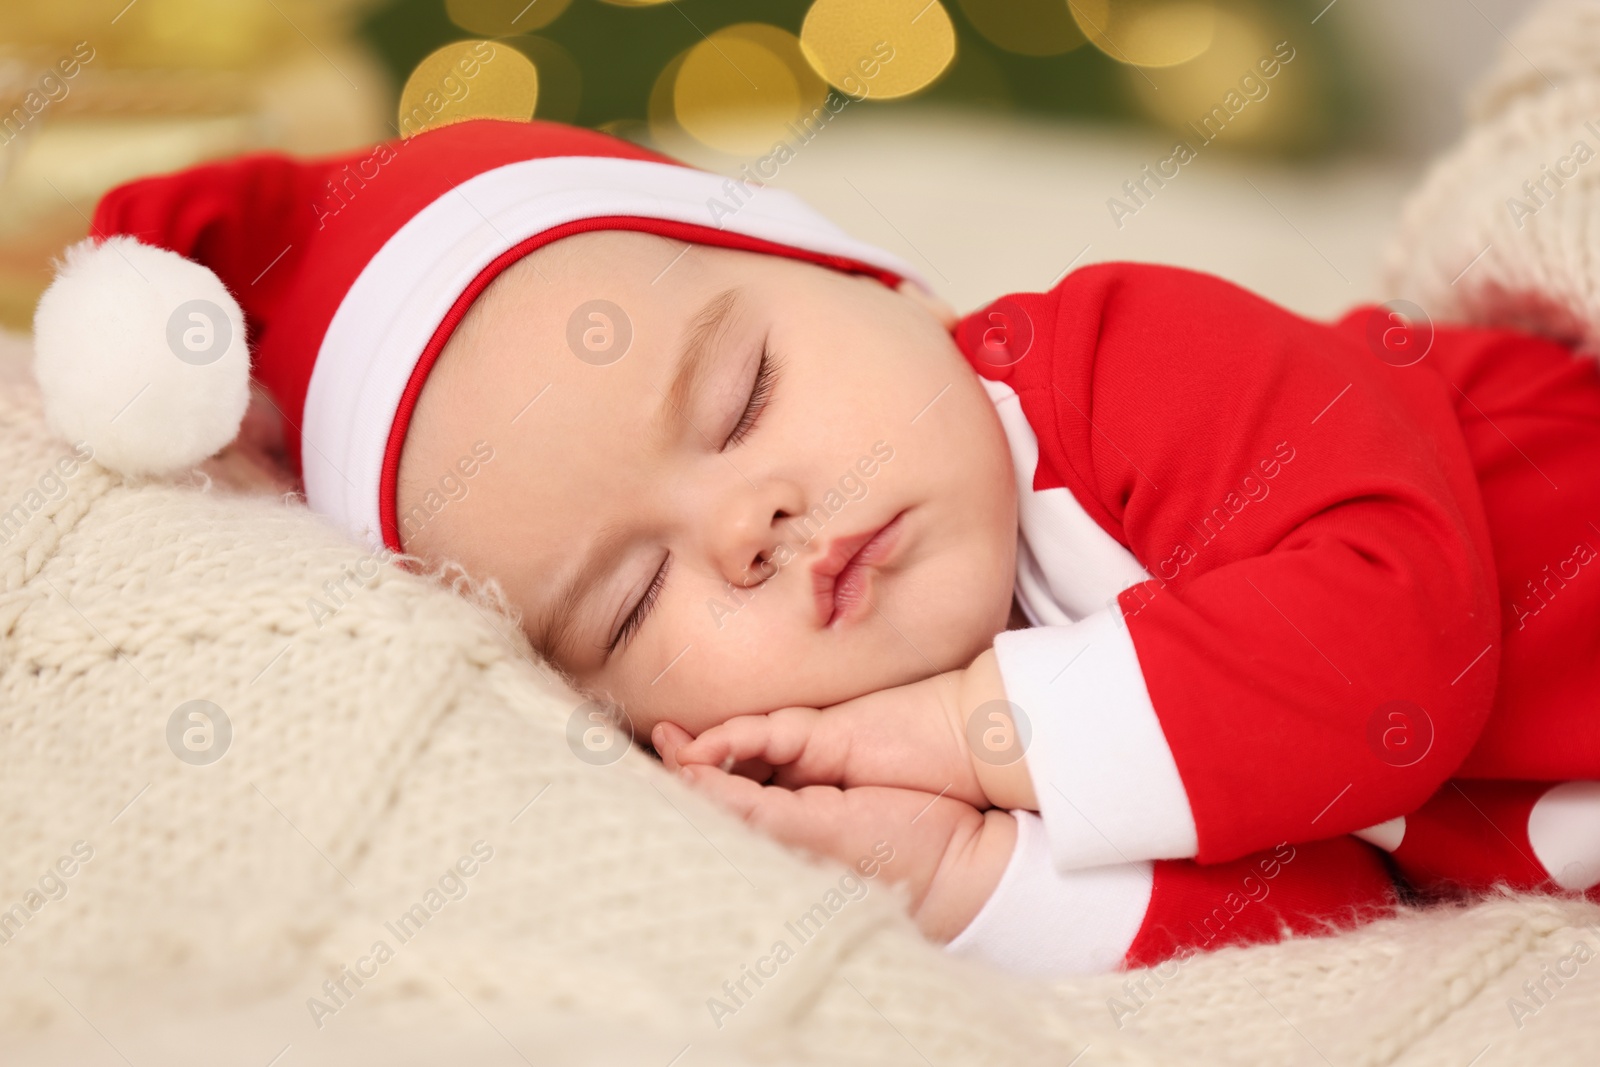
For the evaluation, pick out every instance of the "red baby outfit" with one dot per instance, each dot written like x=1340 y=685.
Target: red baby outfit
x=1288 y=582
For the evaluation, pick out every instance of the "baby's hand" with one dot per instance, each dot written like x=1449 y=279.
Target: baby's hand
x=895 y=737
x=911 y=736
x=947 y=854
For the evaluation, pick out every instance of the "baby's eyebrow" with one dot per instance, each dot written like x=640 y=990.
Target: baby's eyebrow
x=694 y=359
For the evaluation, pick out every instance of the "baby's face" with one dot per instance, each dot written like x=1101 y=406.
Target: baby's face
x=673 y=523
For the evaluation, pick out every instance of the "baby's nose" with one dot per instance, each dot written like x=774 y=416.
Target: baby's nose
x=747 y=555
x=746 y=526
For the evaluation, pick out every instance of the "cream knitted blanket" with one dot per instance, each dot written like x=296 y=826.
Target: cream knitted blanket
x=384 y=835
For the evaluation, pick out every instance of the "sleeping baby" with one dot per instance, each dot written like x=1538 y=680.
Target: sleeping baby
x=1139 y=615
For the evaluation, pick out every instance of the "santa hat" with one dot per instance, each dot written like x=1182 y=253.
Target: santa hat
x=346 y=276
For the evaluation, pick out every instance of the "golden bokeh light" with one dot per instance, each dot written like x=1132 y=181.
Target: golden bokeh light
x=660 y=115
x=560 y=77
x=502 y=18
x=738 y=90
x=786 y=46
x=1250 y=88
x=468 y=80
x=1147 y=33
x=879 y=49
x=1026 y=27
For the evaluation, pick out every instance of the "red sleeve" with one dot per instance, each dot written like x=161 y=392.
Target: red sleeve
x=1320 y=635
x=1315 y=888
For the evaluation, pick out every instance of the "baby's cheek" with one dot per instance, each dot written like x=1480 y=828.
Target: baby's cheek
x=671 y=673
x=713 y=659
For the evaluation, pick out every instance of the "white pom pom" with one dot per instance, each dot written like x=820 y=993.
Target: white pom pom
x=142 y=354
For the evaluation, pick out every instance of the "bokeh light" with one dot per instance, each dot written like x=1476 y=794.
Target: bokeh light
x=738 y=90
x=1147 y=33
x=1027 y=27
x=468 y=80
x=879 y=49
x=175 y=82
x=661 y=119
x=502 y=18
x=1226 y=91
x=560 y=90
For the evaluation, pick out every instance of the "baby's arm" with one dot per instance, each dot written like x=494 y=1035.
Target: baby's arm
x=984 y=883
x=946 y=854
x=951 y=734
x=1317 y=570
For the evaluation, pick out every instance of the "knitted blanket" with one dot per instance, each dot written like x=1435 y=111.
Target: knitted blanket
x=269 y=800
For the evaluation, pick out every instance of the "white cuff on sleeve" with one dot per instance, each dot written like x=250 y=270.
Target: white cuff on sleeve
x=1044 y=924
x=1107 y=785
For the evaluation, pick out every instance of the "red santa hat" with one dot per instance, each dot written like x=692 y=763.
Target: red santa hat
x=346 y=276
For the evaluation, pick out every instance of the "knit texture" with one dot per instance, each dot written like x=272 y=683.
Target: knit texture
x=411 y=732
x=1504 y=229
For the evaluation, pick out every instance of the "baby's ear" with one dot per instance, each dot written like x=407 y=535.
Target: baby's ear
x=933 y=305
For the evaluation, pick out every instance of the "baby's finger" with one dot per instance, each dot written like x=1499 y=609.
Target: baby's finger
x=756 y=770
x=667 y=738
x=746 y=737
x=774 y=739
x=737 y=793
x=811 y=818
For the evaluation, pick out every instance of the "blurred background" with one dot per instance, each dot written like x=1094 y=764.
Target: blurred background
x=994 y=144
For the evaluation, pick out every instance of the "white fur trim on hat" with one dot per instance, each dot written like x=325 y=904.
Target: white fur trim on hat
x=142 y=354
